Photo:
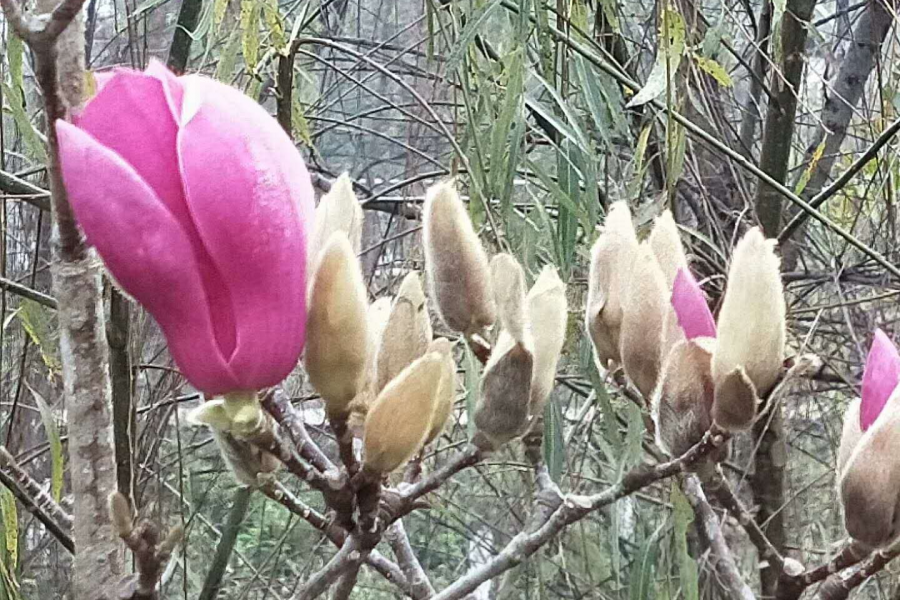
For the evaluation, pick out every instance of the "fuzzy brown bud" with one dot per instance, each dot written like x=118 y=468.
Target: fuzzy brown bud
x=643 y=321
x=547 y=312
x=456 y=262
x=850 y=436
x=338 y=210
x=446 y=395
x=751 y=325
x=870 y=483
x=734 y=403
x=120 y=514
x=610 y=273
x=407 y=333
x=666 y=245
x=337 y=336
x=508 y=282
x=245 y=461
x=401 y=416
x=503 y=411
x=682 y=402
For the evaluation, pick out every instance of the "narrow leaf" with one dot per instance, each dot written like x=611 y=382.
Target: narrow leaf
x=687 y=566
x=250 y=32
x=57 y=466
x=474 y=23
x=714 y=69
x=10 y=528
x=671 y=49
x=554 y=444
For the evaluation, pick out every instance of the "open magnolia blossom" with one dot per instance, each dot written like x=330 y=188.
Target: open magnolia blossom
x=199 y=205
x=867 y=469
x=646 y=311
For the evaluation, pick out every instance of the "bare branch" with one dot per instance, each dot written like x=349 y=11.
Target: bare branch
x=575 y=508
x=390 y=571
x=36 y=500
x=711 y=534
x=151 y=554
x=419 y=584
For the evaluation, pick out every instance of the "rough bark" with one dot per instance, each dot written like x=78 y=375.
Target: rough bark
x=780 y=116
x=98 y=559
x=845 y=93
x=77 y=287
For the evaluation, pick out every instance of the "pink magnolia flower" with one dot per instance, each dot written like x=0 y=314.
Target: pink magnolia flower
x=880 y=378
x=690 y=307
x=200 y=206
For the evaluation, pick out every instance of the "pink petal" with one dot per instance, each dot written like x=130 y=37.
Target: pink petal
x=131 y=117
x=690 y=307
x=146 y=250
x=252 y=202
x=171 y=85
x=880 y=378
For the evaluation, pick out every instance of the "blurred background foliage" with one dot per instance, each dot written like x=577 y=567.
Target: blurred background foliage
x=546 y=112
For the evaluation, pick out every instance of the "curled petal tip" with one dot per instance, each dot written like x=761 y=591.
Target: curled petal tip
x=880 y=378
x=690 y=307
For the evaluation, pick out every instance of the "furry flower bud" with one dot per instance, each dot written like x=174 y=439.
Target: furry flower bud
x=682 y=402
x=751 y=328
x=547 y=312
x=503 y=411
x=870 y=482
x=338 y=210
x=610 y=273
x=407 y=333
x=446 y=395
x=666 y=245
x=508 y=282
x=868 y=473
x=337 y=330
x=401 y=416
x=643 y=320
x=456 y=262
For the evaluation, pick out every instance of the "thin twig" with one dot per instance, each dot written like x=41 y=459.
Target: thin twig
x=36 y=500
x=316 y=585
x=284 y=413
x=716 y=484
